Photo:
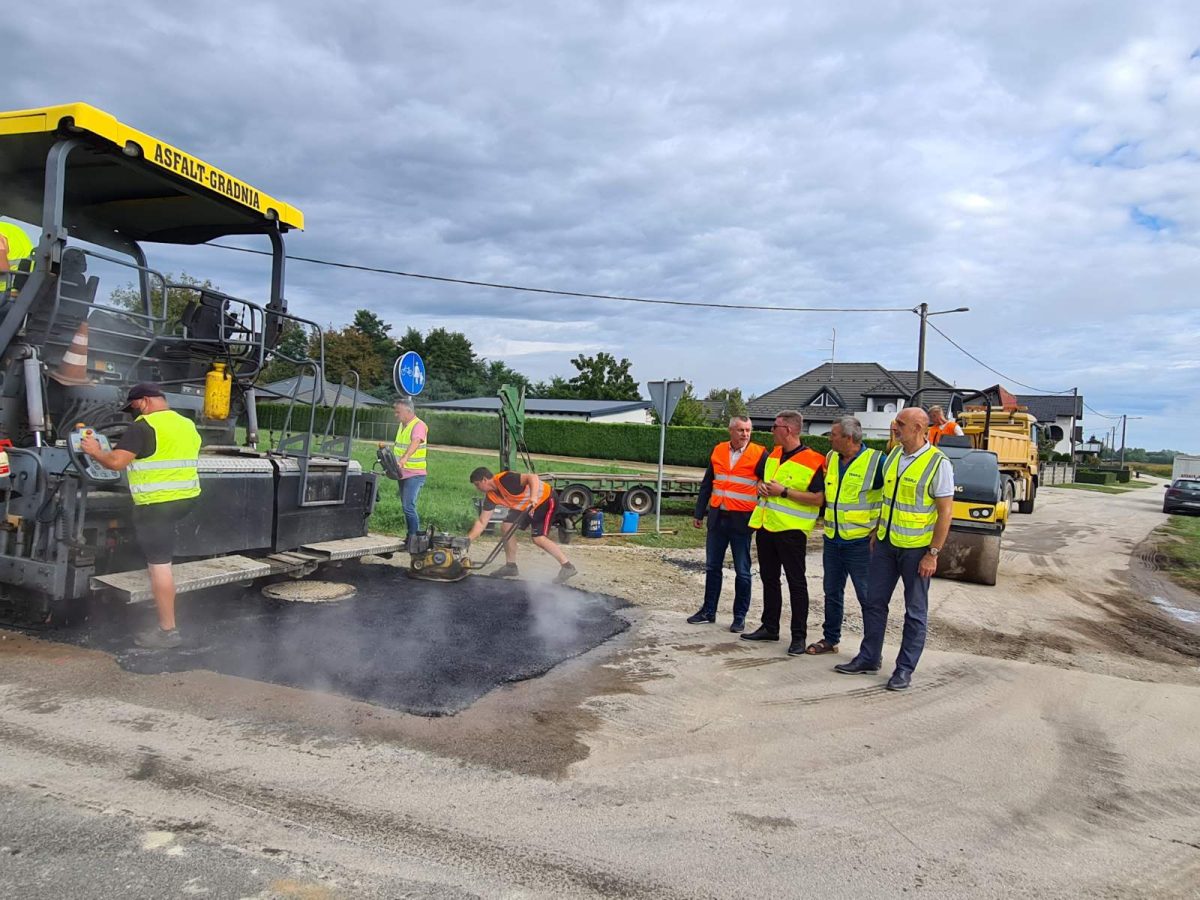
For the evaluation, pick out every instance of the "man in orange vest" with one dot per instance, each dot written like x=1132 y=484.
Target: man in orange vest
x=727 y=498
x=524 y=492
x=940 y=426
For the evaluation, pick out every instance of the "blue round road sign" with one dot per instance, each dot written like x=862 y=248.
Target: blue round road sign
x=409 y=373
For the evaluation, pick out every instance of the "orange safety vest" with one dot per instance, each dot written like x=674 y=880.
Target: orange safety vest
x=733 y=487
x=521 y=501
x=936 y=433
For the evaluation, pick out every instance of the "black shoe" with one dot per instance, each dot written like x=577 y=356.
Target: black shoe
x=700 y=617
x=738 y=626
x=899 y=681
x=796 y=648
x=855 y=667
x=761 y=634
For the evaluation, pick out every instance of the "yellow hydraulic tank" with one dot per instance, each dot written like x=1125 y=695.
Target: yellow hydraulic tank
x=216 y=392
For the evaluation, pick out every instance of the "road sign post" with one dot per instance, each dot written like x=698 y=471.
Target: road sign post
x=665 y=395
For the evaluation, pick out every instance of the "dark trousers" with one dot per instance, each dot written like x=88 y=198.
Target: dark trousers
x=783 y=550
x=888 y=565
x=842 y=560
x=732 y=532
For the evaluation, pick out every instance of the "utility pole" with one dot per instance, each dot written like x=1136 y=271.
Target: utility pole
x=1074 y=409
x=922 y=310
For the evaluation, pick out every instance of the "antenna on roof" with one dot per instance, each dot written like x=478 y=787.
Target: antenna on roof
x=832 y=353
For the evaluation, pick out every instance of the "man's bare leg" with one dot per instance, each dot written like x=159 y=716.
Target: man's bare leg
x=552 y=548
x=162 y=585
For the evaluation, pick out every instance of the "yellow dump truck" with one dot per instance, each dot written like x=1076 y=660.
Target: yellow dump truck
x=1012 y=435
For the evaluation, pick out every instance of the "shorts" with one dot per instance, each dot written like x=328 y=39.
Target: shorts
x=154 y=524
x=541 y=517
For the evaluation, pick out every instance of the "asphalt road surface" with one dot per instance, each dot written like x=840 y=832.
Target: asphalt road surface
x=1047 y=749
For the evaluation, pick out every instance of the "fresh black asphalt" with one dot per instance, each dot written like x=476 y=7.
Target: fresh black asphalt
x=426 y=648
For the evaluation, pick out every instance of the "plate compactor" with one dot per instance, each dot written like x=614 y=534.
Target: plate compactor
x=438 y=556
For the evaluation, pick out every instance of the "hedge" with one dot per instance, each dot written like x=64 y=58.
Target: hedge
x=1093 y=477
x=685 y=446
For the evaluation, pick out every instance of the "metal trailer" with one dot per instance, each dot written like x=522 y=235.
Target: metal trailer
x=619 y=493
x=78 y=175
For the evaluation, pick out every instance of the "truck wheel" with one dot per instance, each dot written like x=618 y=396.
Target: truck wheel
x=576 y=495
x=1026 y=506
x=638 y=500
x=1009 y=493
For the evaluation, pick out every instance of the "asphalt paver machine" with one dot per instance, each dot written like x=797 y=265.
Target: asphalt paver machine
x=100 y=192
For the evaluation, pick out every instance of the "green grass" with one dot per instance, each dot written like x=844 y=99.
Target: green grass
x=1180 y=549
x=1162 y=470
x=448 y=500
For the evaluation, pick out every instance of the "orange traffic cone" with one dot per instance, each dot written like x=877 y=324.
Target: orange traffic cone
x=73 y=368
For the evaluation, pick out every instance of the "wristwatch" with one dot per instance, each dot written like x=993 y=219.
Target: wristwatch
x=934 y=551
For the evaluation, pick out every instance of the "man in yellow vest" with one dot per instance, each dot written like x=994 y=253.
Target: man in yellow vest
x=914 y=520
x=15 y=246
x=790 y=490
x=409 y=448
x=853 y=489
x=160 y=450
x=728 y=495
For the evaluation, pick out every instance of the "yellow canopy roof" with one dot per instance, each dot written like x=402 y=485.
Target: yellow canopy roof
x=127 y=181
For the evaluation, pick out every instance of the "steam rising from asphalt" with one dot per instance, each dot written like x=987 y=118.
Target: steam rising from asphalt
x=556 y=615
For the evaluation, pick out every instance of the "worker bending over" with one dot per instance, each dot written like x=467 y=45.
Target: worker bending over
x=526 y=493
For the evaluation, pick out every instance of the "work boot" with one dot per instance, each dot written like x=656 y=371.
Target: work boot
x=762 y=633
x=157 y=638
x=508 y=570
x=567 y=570
x=700 y=617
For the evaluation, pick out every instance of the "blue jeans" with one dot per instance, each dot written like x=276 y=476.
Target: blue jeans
x=889 y=565
x=727 y=532
x=842 y=559
x=409 y=489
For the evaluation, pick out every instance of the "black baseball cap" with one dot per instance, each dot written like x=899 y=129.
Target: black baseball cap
x=142 y=390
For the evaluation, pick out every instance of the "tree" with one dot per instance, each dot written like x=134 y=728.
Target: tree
x=496 y=374
x=187 y=291
x=375 y=330
x=732 y=402
x=601 y=377
x=350 y=350
x=293 y=342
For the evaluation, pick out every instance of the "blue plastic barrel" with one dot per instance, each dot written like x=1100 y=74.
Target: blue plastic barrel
x=629 y=523
x=593 y=523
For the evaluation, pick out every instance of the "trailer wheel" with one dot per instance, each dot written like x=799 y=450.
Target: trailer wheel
x=1026 y=506
x=638 y=500
x=577 y=495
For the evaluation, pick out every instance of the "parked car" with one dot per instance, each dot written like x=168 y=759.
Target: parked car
x=1183 y=496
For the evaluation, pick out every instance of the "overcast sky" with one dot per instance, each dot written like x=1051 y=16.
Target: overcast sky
x=1038 y=162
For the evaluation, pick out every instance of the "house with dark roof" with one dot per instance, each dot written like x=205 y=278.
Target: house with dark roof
x=832 y=390
x=1063 y=411
x=301 y=386
x=587 y=410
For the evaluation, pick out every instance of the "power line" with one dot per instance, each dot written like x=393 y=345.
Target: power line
x=989 y=368
x=536 y=290
x=1100 y=414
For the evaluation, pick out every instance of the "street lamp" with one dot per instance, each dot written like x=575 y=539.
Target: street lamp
x=924 y=313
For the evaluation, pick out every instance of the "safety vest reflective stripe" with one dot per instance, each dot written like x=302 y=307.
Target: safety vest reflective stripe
x=738 y=479
x=798 y=511
x=416 y=462
x=170 y=472
x=735 y=495
x=152 y=486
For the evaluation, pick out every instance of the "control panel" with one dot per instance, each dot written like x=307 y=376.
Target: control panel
x=88 y=466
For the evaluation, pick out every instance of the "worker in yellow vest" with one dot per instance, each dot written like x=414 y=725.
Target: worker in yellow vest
x=853 y=490
x=160 y=450
x=790 y=491
x=914 y=519
x=15 y=246
x=728 y=496
x=409 y=448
